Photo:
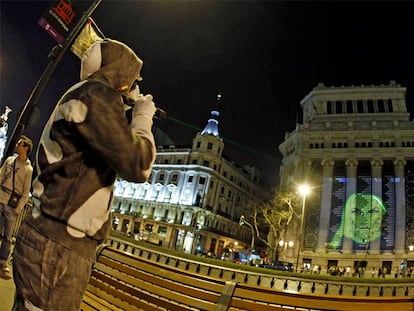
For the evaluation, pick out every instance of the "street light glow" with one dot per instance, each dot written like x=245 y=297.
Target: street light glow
x=304 y=189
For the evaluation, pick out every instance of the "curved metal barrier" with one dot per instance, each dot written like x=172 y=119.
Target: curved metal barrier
x=291 y=284
x=122 y=281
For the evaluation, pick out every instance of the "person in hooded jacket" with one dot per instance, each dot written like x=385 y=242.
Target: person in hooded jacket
x=85 y=144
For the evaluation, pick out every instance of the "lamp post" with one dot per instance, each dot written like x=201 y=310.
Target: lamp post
x=242 y=222
x=197 y=228
x=304 y=191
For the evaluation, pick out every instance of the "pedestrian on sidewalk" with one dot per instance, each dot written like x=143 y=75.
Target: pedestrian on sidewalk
x=15 y=182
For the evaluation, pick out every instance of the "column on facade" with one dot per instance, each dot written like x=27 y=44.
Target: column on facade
x=351 y=174
x=376 y=173
x=400 y=203
x=282 y=176
x=163 y=192
x=150 y=188
x=188 y=193
x=182 y=188
x=195 y=189
x=182 y=180
x=307 y=165
x=172 y=241
x=206 y=192
x=326 y=199
x=308 y=228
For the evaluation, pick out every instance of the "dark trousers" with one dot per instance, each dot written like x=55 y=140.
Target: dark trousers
x=47 y=275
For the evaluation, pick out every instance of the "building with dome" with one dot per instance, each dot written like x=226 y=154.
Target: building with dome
x=193 y=199
x=355 y=149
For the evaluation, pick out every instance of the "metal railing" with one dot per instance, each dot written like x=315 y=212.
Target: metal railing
x=287 y=283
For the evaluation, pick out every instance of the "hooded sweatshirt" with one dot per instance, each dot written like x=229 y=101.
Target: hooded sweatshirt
x=85 y=144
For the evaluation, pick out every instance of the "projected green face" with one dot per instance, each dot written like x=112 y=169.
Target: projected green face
x=361 y=219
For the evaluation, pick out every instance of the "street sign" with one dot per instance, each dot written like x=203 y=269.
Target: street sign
x=59 y=19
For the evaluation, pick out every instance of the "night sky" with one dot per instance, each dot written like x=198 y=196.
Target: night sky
x=263 y=56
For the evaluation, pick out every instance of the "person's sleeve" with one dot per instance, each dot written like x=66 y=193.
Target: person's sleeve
x=26 y=190
x=2 y=170
x=141 y=124
x=128 y=148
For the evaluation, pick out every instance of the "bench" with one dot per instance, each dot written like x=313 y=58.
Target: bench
x=121 y=281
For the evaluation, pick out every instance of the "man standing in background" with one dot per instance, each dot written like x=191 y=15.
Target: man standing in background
x=15 y=179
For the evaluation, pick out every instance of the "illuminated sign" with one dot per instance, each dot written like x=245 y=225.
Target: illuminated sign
x=59 y=19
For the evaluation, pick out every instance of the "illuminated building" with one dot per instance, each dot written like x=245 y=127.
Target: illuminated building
x=355 y=148
x=193 y=199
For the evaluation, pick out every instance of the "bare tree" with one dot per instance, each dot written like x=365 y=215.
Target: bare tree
x=275 y=215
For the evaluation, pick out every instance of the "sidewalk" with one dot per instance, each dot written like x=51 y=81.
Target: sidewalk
x=7 y=290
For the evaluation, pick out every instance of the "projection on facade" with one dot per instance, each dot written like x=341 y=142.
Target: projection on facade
x=361 y=220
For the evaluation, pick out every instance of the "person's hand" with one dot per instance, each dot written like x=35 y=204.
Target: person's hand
x=135 y=94
x=144 y=107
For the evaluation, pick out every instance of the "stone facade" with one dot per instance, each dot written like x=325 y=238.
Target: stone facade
x=194 y=198
x=355 y=148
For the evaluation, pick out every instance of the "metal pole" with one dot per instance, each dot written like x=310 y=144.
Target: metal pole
x=196 y=232
x=251 y=227
x=300 y=233
x=194 y=246
x=243 y=221
x=55 y=56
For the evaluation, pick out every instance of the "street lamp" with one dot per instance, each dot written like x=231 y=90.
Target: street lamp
x=304 y=191
x=242 y=222
x=197 y=228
